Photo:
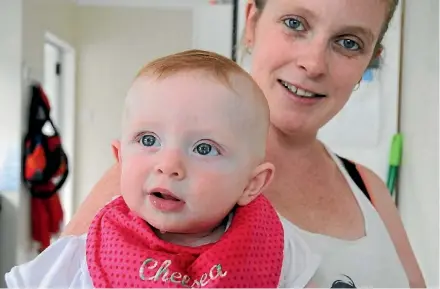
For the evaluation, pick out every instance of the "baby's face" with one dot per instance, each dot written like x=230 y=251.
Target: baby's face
x=185 y=151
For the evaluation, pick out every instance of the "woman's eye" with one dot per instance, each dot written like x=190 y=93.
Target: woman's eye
x=206 y=149
x=294 y=24
x=349 y=44
x=149 y=140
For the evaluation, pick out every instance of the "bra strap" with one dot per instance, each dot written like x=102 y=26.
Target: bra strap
x=355 y=176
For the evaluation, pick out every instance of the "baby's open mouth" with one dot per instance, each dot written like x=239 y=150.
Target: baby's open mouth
x=165 y=201
x=165 y=196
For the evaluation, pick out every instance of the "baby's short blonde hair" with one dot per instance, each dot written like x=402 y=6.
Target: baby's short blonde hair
x=221 y=69
x=213 y=64
x=195 y=60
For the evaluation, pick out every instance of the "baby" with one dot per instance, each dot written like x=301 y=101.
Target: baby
x=191 y=213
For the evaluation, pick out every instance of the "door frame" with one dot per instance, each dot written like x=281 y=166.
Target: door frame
x=68 y=111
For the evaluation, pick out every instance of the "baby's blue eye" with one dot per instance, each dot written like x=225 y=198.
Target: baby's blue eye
x=149 y=140
x=206 y=149
x=294 y=24
x=349 y=44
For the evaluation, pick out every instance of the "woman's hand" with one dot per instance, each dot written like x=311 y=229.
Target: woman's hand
x=102 y=193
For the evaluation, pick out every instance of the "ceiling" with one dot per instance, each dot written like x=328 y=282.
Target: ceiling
x=152 y=3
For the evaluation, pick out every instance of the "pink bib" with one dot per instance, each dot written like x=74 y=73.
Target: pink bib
x=123 y=251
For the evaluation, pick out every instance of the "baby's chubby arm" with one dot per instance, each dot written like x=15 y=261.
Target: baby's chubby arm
x=59 y=266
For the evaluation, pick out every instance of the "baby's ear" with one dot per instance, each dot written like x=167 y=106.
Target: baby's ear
x=260 y=179
x=116 y=147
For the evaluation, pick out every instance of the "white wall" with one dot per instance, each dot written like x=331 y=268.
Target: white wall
x=23 y=24
x=39 y=16
x=113 y=44
x=419 y=179
x=213 y=35
x=57 y=17
x=10 y=129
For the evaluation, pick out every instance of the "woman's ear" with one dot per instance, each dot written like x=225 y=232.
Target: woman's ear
x=378 y=52
x=260 y=179
x=116 y=147
x=251 y=14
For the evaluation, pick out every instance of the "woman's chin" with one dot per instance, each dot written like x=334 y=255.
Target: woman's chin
x=292 y=125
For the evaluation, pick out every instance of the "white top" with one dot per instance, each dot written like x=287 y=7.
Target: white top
x=63 y=264
x=369 y=262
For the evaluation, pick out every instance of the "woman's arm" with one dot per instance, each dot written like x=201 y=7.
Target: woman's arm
x=387 y=210
x=106 y=188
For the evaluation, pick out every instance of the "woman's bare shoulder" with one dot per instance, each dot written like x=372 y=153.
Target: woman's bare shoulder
x=385 y=206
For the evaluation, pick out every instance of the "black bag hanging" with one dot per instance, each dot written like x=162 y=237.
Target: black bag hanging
x=45 y=164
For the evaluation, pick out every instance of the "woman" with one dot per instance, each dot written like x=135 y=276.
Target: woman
x=307 y=56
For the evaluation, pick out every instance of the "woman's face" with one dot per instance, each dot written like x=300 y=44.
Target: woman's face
x=308 y=55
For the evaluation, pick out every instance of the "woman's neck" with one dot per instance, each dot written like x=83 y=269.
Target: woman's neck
x=301 y=150
x=302 y=164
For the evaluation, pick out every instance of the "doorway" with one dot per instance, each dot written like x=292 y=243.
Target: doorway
x=52 y=80
x=59 y=85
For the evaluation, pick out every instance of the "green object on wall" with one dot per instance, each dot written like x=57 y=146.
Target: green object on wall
x=394 y=161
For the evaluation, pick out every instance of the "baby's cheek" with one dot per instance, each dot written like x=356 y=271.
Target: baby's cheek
x=133 y=176
x=132 y=191
x=135 y=165
x=210 y=178
x=213 y=187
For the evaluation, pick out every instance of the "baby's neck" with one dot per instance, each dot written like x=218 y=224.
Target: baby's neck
x=193 y=239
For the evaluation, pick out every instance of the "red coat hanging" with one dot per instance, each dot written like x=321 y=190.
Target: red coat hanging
x=45 y=169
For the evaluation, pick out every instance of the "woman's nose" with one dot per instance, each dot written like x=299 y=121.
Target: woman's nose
x=314 y=58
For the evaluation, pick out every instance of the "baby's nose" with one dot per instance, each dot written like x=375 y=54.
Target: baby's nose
x=172 y=166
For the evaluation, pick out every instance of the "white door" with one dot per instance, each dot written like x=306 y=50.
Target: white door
x=52 y=82
x=59 y=85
